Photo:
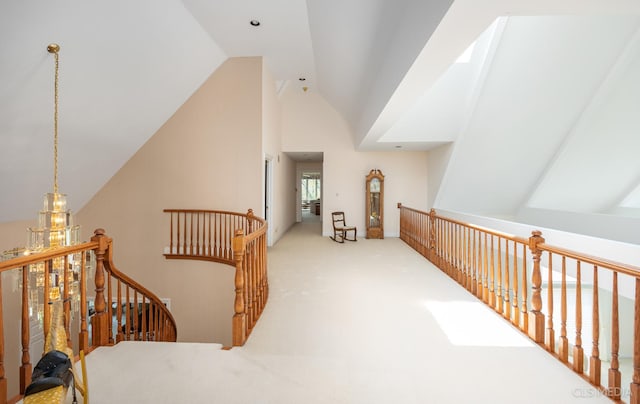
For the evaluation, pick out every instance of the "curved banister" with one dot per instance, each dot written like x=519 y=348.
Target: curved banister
x=170 y=333
x=230 y=238
x=157 y=322
x=489 y=263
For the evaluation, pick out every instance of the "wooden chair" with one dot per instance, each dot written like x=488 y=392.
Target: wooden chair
x=340 y=229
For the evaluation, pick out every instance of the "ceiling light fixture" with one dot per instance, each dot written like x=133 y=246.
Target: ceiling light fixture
x=254 y=23
x=302 y=79
x=55 y=225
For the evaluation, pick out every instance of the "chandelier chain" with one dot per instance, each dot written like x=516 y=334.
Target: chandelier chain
x=55 y=125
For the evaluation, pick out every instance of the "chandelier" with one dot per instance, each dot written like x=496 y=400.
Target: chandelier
x=55 y=229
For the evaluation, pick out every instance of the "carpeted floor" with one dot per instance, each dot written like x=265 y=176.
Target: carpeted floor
x=364 y=322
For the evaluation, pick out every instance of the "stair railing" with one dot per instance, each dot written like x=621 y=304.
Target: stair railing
x=99 y=250
x=502 y=270
x=231 y=238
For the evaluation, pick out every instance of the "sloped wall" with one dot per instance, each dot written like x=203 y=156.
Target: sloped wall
x=206 y=156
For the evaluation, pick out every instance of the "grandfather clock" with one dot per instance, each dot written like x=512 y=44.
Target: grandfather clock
x=375 y=205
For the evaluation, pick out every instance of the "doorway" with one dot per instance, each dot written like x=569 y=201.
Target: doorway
x=311 y=196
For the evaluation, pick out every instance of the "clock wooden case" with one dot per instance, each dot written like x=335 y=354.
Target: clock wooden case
x=375 y=204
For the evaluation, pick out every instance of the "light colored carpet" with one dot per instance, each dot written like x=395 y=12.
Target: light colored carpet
x=364 y=322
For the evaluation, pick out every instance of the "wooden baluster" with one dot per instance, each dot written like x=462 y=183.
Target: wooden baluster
x=550 y=335
x=514 y=301
x=185 y=246
x=136 y=325
x=578 y=351
x=99 y=321
x=523 y=307
x=595 y=362
x=145 y=310
x=477 y=263
x=507 y=288
x=3 y=379
x=66 y=302
x=191 y=234
x=461 y=256
x=239 y=318
x=615 y=383
x=178 y=239
x=492 y=278
x=467 y=258
x=170 y=232
x=120 y=336
x=110 y=307
x=83 y=339
x=500 y=286
x=209 y=241
x=563 y=349
x=635 y=382
x=474 y=260
x=198 y=252
x=128 y=318
x=485 y=266
x=46 y=321
x=432 y=235
x=26 y=368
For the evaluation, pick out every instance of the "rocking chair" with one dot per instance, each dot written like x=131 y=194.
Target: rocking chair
x=340 y=229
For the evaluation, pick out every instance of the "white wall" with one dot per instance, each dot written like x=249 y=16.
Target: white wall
x=283 y=170
x=311 y=124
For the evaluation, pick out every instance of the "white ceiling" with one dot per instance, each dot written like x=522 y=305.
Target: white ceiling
x=386 y=65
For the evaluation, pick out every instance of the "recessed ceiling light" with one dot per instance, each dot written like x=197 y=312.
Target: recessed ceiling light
x=254 y=23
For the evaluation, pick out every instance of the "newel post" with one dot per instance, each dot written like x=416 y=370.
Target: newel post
x=250 y=218
x=99 y=321
x=432 y=235
x=536 y=318
x=239 y=318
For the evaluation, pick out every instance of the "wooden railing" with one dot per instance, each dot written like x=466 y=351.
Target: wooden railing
x=235 y=239
x=506 y=273
x=159 y=327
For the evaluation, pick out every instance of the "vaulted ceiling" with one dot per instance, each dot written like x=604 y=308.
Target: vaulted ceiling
x=539 y=91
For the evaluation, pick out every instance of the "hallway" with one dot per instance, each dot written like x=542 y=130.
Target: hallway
x=374 y=322
x=364 y=322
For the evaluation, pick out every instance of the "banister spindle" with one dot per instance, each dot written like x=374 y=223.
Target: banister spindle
x=550 y=335
x=3 y=379
x=536 y=318
x=635 y=382
x=26 y=367
x=594 y=361
x=500 y=287
x=492 y=277
x=83 y=339
x=507 y=283
x=578 y=351
x=615 y=382
x=514 y=301
x=563 y=349
x=485 y=269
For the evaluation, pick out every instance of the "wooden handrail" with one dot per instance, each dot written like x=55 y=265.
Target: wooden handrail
x=230 y=238
x=162 y=328
x=496 y=267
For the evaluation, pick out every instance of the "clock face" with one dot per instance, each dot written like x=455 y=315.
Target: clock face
x=374 y=185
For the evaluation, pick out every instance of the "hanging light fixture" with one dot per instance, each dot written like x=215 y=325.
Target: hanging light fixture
x=55 y=224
